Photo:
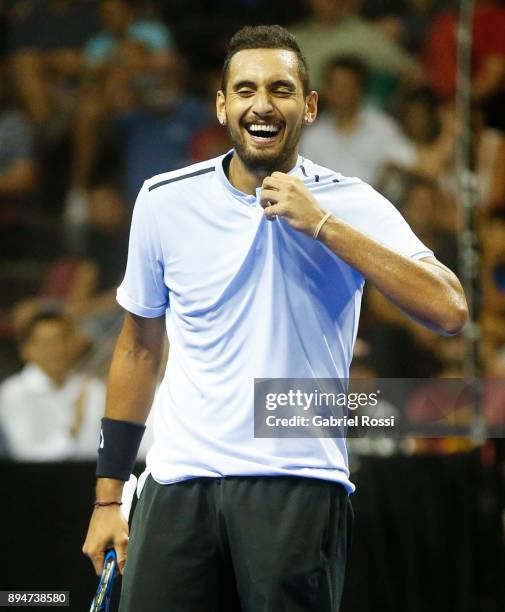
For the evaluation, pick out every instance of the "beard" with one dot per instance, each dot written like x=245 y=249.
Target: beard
x=263 y=163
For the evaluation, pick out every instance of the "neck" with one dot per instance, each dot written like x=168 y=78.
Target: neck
x=57 y=378
x=346 y=121
x=246 y=180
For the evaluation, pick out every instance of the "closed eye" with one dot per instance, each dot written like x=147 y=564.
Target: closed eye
x=283 y=92
x=283 y=88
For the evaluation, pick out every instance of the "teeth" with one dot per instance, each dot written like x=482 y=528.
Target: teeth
x=255 y=127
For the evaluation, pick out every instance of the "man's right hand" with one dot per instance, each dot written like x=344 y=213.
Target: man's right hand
x=107 y=529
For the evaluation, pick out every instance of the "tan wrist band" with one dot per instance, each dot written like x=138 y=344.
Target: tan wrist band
x=320 y=225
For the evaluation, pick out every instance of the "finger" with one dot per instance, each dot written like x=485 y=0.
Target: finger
x=121 y=562
x=97 y=560
x=279 y=175
x=284 y=180
x=268 y=197
x=270 y=183
x=120 y=547
x=94 y=555
x=271 y=212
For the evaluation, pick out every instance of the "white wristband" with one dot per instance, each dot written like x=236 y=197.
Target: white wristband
x=320 y=225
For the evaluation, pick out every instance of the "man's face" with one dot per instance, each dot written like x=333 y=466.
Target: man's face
x=264 y=108
x=419 y=122
x=50 y=347
x=344 y=91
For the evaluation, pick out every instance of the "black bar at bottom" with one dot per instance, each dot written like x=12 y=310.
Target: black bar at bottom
x=34 y=599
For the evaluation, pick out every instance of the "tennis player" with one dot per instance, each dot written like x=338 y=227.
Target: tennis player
x=254 y=262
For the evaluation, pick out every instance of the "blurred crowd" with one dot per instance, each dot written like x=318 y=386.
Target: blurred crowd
x=98 y=95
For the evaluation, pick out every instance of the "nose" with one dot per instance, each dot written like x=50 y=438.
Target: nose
x=262 y=104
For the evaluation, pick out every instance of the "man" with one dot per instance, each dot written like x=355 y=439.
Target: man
x=335 y=27
x=45 y=42
x=488 y=57
x=343 y=134
x=123 y=65
x=120 y=23
x=224 y=252
x=488 y=50
x=47 y=411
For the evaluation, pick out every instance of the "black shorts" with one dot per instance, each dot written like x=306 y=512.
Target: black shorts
x=250 y=544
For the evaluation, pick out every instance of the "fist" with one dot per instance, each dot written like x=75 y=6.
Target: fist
x=286 y=196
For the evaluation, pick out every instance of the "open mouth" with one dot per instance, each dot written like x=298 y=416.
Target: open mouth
x=263 y=133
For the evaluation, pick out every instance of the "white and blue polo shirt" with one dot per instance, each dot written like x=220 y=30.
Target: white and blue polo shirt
x=246 y=298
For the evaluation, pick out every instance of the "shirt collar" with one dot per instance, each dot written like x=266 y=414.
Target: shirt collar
x=37 y=380
x=240 y=195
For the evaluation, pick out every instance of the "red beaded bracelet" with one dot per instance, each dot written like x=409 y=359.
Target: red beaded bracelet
x=102 y=504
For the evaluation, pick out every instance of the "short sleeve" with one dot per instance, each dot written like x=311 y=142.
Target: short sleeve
x=143 y=290
x=371 y=213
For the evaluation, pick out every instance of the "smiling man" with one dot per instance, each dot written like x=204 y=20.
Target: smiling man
x=255 y=262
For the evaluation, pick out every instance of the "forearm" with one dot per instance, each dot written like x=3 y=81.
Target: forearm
x=425 y=290
x=134 y=371
x=132 y=381
x=109 y=489
x=430 y=294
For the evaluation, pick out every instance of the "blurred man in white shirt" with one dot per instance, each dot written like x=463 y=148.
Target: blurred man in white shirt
x=352 y=138
x=47 y=411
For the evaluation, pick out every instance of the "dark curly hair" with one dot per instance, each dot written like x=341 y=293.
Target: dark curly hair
x=265 y=37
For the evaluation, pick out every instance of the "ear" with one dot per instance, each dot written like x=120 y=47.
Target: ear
x=221 y=107
x=310 y=108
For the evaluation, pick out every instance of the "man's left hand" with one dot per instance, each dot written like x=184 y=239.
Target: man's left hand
x=287 y=197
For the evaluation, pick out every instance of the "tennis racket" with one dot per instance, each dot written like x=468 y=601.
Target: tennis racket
x=103 y=596
x=102 y=599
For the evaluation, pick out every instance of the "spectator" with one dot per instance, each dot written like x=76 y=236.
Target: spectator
x=424 y=207
x=105 y=254
x=432 y=130
x=488 y=56
x=48 y=411
x=84 y=284
x=46 y=55
x=18 y=171
x=401 y=348
x=335 y=29
x=127 y=58
x=17 y=164
x=120 y=24
x=409 y=27
x=357 y=140
x=156 y=135
x=212 y=140
x=489 y=146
